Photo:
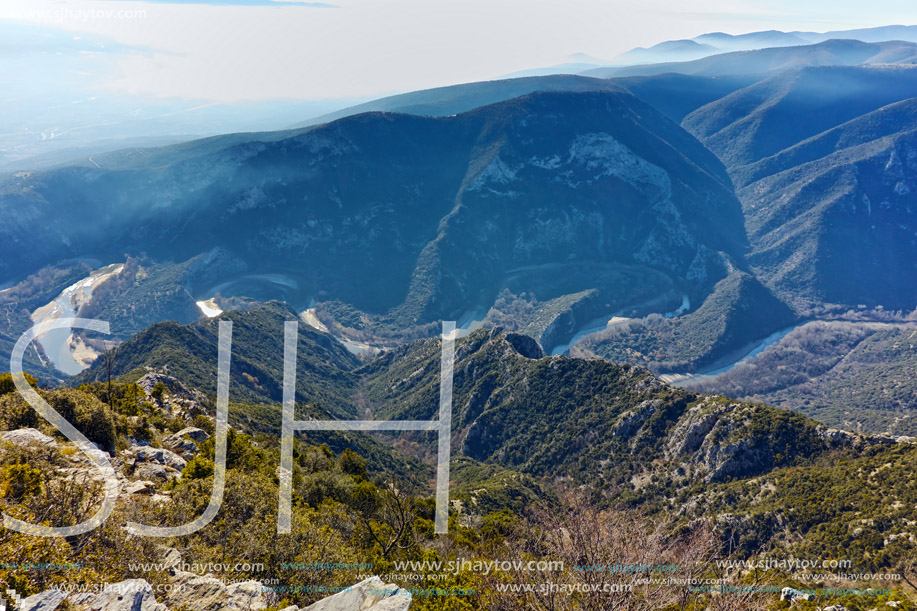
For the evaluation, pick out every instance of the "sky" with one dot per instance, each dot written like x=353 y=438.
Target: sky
x=227 y=51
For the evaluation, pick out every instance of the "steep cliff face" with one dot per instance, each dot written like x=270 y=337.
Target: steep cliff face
x=405 y=218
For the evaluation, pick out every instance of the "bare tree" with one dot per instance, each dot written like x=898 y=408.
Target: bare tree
x=611 y=560
x=389 y=518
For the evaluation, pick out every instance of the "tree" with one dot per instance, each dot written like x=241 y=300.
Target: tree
x=386 y=514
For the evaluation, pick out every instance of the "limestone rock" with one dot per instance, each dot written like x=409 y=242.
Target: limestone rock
x=792 y=594
x=138 y=487
x=155 y=471
x=23 y=437
x=207 y=593
x=145 y=454
x=179 y=400
x=194 y=433
x=371 y=594
x=43 y=601
x=186 y=440
x=171 y=557
x=128 y=595
x=631 y=420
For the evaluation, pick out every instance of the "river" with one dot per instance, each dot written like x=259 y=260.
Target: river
x=723 y=365
x=57 y=343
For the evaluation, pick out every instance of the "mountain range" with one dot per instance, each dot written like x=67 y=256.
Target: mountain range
x=758 y=189
x=720 y=42
x=388 y=214
x=686 y=300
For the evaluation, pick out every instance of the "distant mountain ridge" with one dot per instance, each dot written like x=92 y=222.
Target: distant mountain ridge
x=771 y=60
x=389 y=214
x=719 y=42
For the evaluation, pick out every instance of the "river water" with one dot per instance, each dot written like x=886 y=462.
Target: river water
x=744 y=355
x=56 y=343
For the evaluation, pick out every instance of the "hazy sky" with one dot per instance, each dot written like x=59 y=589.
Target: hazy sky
x=226 y=50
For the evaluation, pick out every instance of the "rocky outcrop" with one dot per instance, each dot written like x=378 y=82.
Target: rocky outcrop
x=185 y=441
x=149 y=463
x=43 y=601
x=371 y=594
x=737 y=459
x=178 y=399
x=194 y=592
x=147 y=454
x=693 y=429
x=128 y=595
x=631 y=421
x=524 y=345
x=836 y=438
x=24 y=437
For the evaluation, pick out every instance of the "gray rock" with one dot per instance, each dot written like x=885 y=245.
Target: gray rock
x=186 y=440
x=155 y=471
x=371 y=594
x=159 y=456
x=43 y=601
x=194 y=433
x=23 y=437
x=128 y=595
x=736 y=459
x=836 y=437
x=139 y=487
x=691 y=431
x=631 y=420
x=207 y=593
x=171 y=557
x=181 y=445
x=180 y=400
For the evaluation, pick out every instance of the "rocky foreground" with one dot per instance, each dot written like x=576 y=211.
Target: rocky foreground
x=197 y=593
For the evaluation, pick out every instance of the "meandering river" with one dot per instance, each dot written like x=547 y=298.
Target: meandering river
x=57 y=344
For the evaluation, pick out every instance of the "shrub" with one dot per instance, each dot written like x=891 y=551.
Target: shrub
x=21 y=481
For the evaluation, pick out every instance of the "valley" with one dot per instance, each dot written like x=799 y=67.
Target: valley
x=59 y=345
x=685 y=291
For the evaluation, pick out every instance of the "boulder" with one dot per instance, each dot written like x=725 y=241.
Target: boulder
x=155 y=471
x=171 y=557
x=371 y=594
x=194 y=433
x=207 y=593
x=139 y=487
x=128 y=595
x=161 y=456
x=24 y=437
x=186 y=440
x=43 y=601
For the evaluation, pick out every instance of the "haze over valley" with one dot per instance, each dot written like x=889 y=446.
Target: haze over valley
x=683 y=280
